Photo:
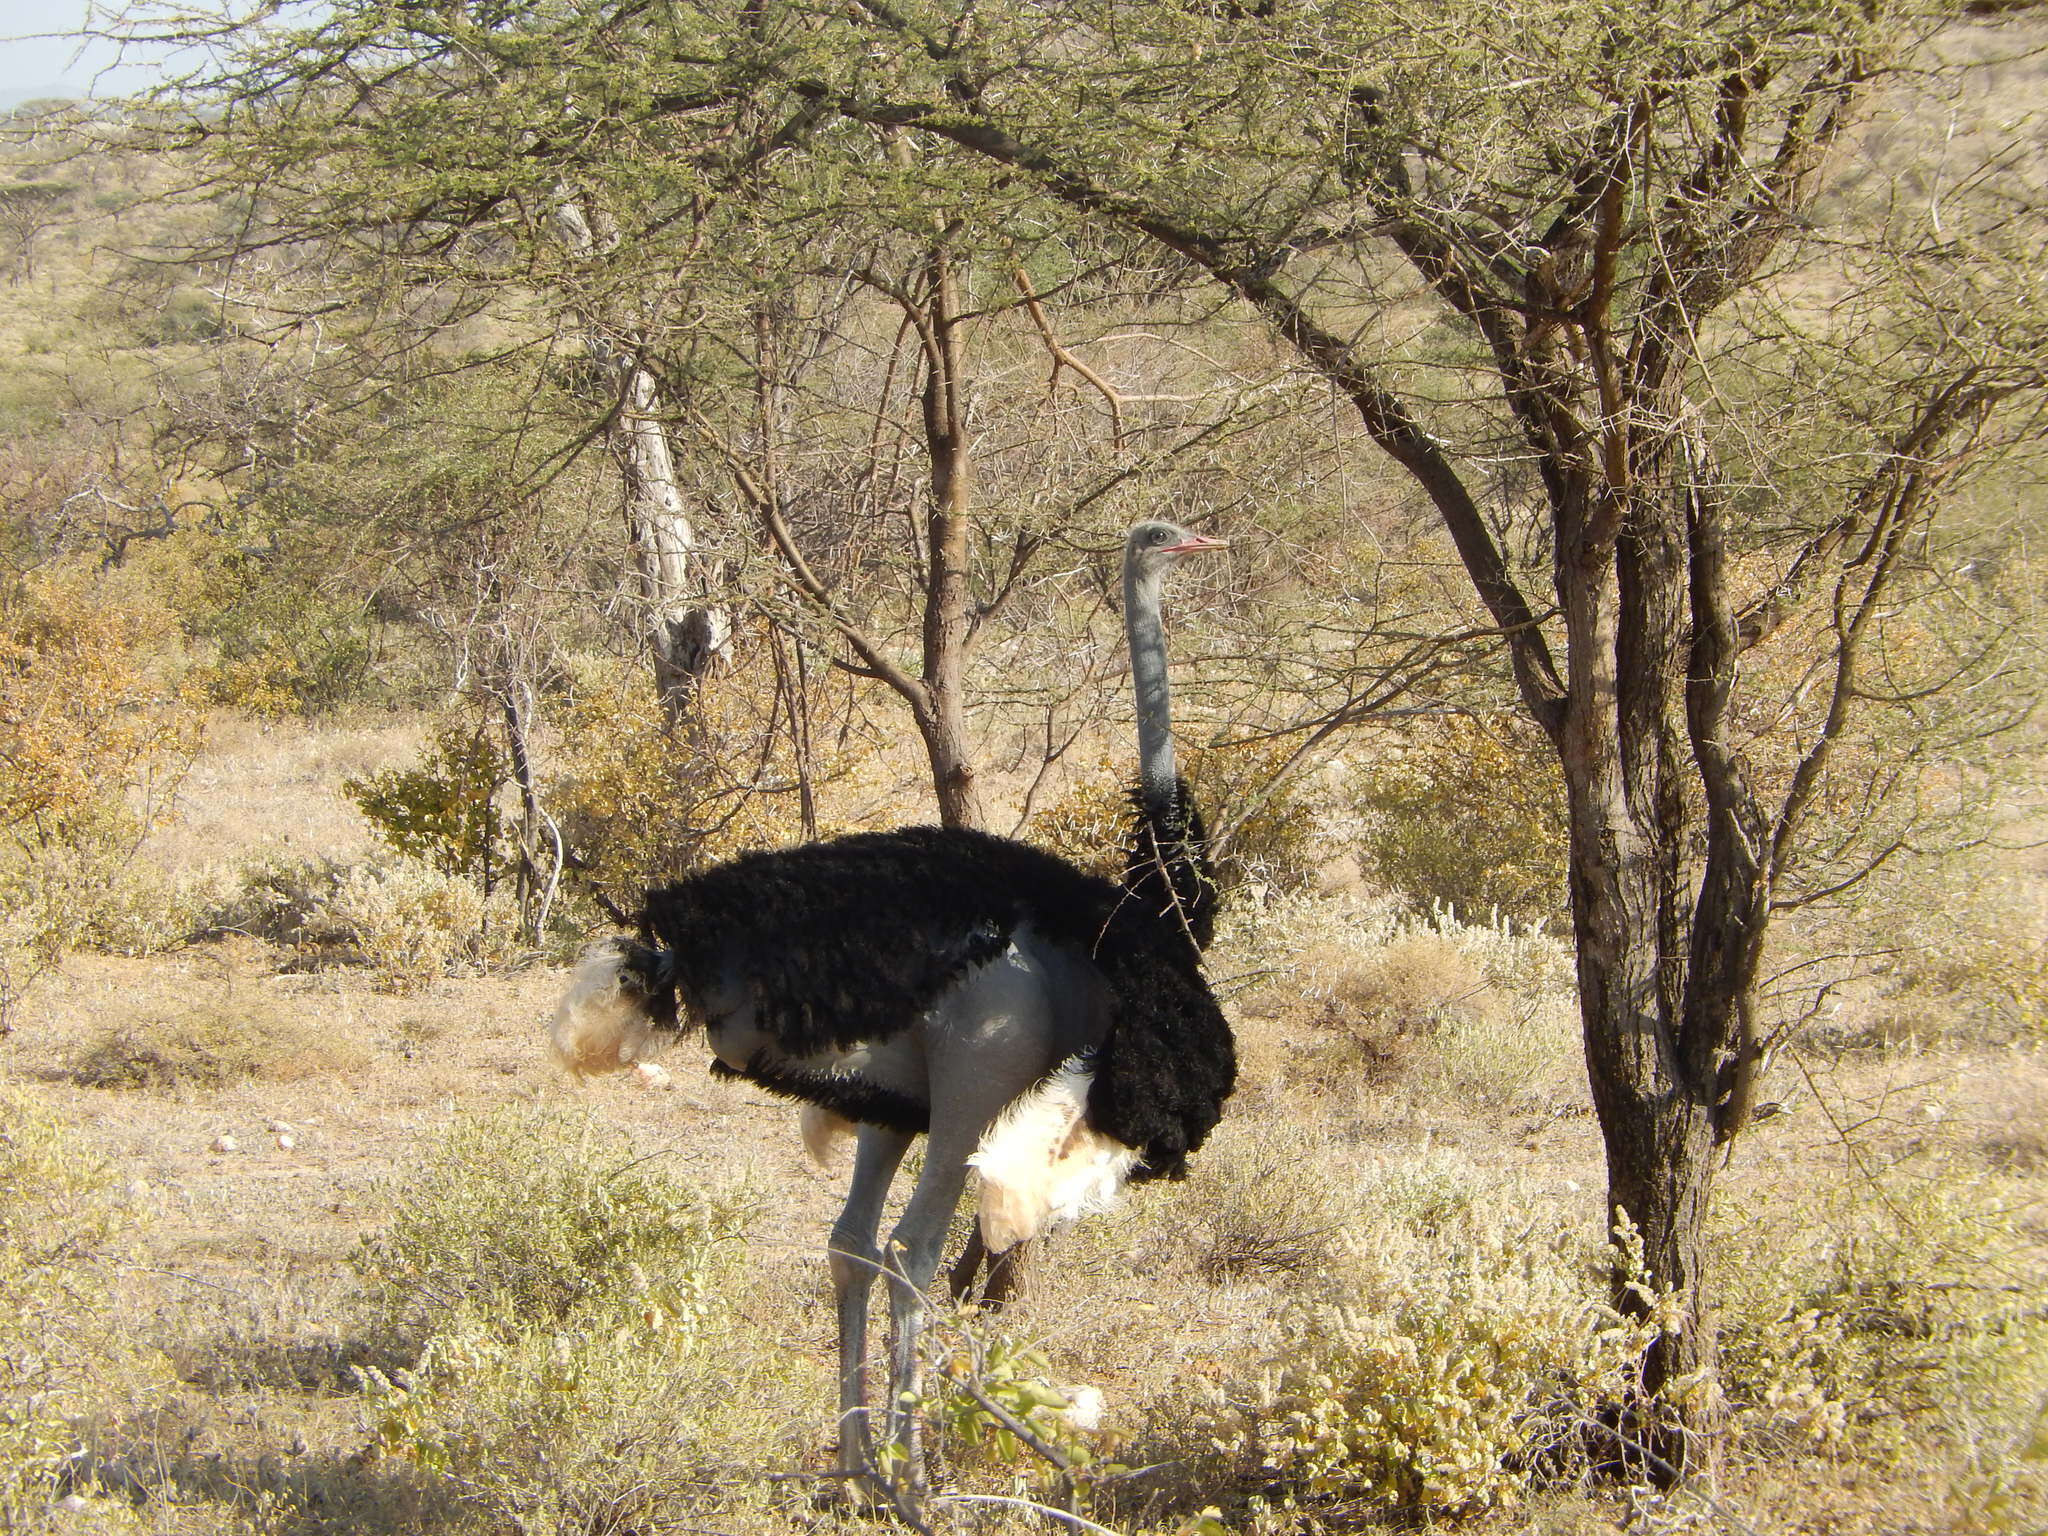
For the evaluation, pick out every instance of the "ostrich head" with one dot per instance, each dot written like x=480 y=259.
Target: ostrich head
x=1156 y=546
x=620 y=994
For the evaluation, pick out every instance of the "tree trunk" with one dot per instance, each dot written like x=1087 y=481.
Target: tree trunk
x=1661 y=935
x=948 y=596
x=687 y=637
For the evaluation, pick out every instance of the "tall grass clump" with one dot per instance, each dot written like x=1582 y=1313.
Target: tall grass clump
x=58 y=1345
x=1895 y=1315
x=1457 y=1353
x=578 y=1362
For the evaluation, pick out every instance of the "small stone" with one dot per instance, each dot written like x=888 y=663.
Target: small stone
x=280 y=1128
x=73 y=1503
x=286 y=1142
x=653 y=1075
x=225 y=1143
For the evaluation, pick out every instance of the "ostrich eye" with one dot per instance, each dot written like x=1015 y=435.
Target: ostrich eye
x=1158 y=535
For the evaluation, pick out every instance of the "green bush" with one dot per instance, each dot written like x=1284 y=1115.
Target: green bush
x=282 y=643
x=1887 y=1314
x=443 y=810
x=1448 y=1360
x=1469 y=816
x=538 y=1213
x=579 y=1364
x=59 y=1341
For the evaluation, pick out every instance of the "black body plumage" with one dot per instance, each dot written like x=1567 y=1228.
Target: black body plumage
x=852 y=939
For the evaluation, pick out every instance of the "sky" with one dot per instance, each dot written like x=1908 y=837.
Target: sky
x=42 y=65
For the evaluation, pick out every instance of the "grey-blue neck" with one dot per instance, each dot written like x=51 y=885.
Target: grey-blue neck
x=1146 y=631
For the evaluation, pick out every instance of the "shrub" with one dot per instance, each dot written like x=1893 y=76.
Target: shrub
x=1887 y=1315
x=91 y=747
x=413 y=924
x=284 y=901
x=1262 y=1204
x=643 y=802
x=1453 y=1359
x=540 y=1212
x=1469 y=817
x=56 y=1342
x=443 y=810
x=1016 y=1377
x=281 y=643
x=578 y=1363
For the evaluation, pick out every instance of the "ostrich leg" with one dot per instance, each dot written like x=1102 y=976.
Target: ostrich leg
x=987 y=1043
x=909 y=1262
x=1005 y=1271
x=855 y=1260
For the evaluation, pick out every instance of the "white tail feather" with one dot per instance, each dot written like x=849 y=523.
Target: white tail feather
x=1041 y=1162
x=599 y=1026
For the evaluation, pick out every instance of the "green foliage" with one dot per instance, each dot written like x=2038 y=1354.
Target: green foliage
x=1883 y=1313
x=537 y=1213
x=185 y=315
x=444 y=809
x=1016 y=1377
x=1447 y=1369
x=1468 y=816
x=57 y=1224
x=285 y=643
x=578 y=1361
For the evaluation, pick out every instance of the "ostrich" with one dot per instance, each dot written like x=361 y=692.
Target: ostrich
x=1045 y=1027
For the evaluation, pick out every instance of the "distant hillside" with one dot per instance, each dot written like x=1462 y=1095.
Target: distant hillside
x=22 y=96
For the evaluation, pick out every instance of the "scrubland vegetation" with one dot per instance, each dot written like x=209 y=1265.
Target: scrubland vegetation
x=339 y=703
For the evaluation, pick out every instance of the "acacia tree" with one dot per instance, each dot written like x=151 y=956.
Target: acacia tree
x=1722 y=412
x=1688 y=408
x=397 y=221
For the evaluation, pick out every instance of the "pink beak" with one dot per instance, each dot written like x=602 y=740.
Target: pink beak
x=1193 y=543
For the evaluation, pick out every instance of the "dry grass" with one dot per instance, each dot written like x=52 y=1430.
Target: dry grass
x=1411 y=1093
x=221 y=1029
x=263 y=787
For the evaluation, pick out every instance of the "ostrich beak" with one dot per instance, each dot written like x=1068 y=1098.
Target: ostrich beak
x=1194 y=543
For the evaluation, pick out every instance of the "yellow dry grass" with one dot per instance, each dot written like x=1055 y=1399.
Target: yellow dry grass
x=252 y=1402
